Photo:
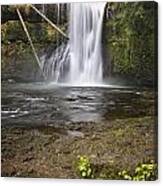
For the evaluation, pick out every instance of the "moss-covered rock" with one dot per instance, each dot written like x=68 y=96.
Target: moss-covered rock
x=130 y=39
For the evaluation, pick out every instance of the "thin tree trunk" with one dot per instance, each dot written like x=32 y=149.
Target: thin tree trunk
x=30 y=40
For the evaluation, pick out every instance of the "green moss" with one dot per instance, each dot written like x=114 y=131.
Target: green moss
x=131 y=39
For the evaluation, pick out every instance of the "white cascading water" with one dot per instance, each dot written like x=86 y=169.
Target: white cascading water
x=80 y=60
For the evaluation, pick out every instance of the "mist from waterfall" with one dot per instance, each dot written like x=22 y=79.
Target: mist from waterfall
x=79 y=61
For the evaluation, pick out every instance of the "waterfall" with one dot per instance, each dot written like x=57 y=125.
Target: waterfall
x=80 y=59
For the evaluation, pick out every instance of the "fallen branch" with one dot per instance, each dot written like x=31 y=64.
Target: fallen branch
x=30 y=40
x=50 y=22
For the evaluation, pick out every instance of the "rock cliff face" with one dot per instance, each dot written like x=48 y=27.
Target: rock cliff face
x=130 y=42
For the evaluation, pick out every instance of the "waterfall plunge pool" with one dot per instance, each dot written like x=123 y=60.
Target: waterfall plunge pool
x=41 y=104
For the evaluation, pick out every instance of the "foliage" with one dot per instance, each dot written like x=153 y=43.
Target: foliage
x=12 y=31
x=142 y=172
x=131 y=38
x=124 y=175
x=84 y=167
x=145 y=171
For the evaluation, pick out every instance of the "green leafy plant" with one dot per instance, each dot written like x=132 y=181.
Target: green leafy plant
x=124 y=175
x=145 y=171
x=84 y=167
